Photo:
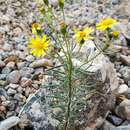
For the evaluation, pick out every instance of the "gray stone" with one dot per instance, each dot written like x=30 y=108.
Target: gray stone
x=26 y=72
x=36 y=112
x=114 y=120
x=125 y=71
x=125 y=127
x=123 y=110
x=19 y=97
x=21 y=65
x=11 y=91
x=6 y=70
x=9 y=123
x=114 y=1
x=20 y=89
x=128 y=94
x=3 y=76
x=3 y=93
x=14 y=77
x=129 y=83
x=30 y=58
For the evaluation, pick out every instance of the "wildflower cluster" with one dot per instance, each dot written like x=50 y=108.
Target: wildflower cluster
x=58 y=41
x=39 y=45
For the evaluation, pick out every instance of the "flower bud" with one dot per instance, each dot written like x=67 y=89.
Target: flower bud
x=63 y=27
x=42 y=10
x=46 y=2
x=35 y=27
x=61 y=3
x=115 y=34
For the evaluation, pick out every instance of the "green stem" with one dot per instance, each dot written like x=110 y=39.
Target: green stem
x=69 y=93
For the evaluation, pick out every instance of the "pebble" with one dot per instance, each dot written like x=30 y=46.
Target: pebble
x=123 y=89
x=18 y=97
x=14 y=77
x=123 y=109
x=125 y=71
x=114 y=120
x=3 y=93
x=7 y=47
x=6 y=70
x=41 y=63
x=3 y=82
x=20 y=65
x=3 y=76
x=13 y=86
x=39 y=70
x=27 y=91
x=30 y=58
x=114 y=1
x=20 y=89
x=6 y=103
x=2 y=109
x=11 y=65
x=125 y=59
x=9 y=123
x=26 y=72
x=11 y=92
x=2 y=64
x=128 y=95
x=26 y=82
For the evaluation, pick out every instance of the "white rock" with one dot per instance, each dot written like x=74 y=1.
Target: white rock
x=9 y=123
x=13 y=86
x=104 y=66
x=30 y=58
x=123 y=89
x=41 y=63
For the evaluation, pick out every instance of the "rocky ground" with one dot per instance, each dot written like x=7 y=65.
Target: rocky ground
x=21 y=76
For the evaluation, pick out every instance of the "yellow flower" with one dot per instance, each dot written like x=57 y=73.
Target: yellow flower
x=115 y=33
x=106 y=24
x=35 y=27
x=39 y=45
x=84 y=35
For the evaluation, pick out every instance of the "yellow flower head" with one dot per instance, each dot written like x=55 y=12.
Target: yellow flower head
x=35 y=27
x=106 y=24
x=115 y=33
x=84 y=35
x=39 y=45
